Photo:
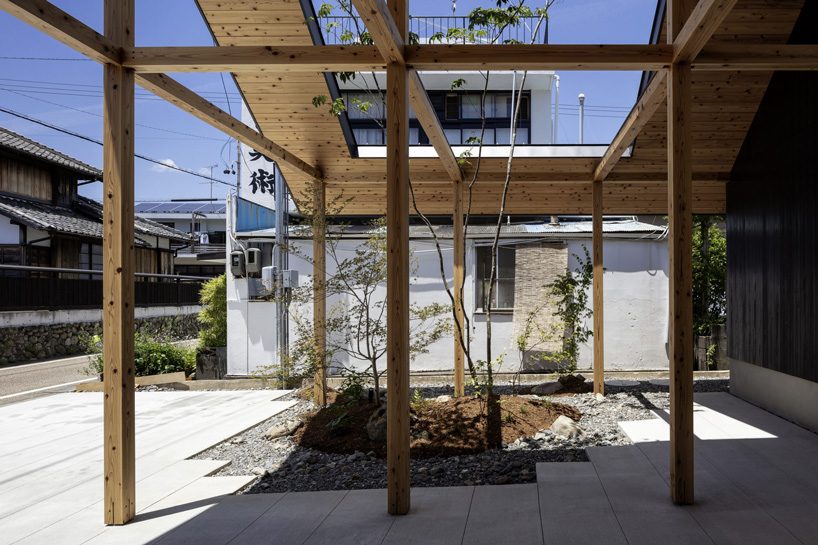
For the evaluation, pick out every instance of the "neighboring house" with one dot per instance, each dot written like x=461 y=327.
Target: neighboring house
x=203 y=220
x=530 y=256
x=50 y=246
x=44 y=222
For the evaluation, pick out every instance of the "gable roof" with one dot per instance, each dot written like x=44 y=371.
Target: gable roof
x=16 y=143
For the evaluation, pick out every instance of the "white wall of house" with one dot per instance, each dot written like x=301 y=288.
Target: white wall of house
x=635 y=308
x=9 y=233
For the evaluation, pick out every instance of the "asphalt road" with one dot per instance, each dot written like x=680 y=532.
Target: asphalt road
x=28 y=380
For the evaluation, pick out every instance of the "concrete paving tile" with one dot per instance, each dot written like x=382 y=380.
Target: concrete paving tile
x=359 y=519
x=438 y=517
x=507 y=514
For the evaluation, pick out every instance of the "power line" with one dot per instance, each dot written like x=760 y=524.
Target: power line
x=98 y=142
x=13 y=58
x=99 y=115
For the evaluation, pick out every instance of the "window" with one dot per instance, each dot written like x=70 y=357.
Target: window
x=368 y=137
x=471 y=106
x=488 y=136
x=452 y=107
x=453 y=136
x=90 y=256
x=503 y=137
x=414 y=137
x=503 y=293
x=365 y=105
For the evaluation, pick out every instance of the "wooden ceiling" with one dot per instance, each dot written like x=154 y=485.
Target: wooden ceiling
x=724 y=106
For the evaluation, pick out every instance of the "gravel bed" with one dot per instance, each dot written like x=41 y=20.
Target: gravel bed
x=282 y=466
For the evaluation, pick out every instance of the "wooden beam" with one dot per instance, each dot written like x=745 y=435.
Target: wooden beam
x=428 y=119
x=704 y=19
x=680 y=250
x=761 y=57
x=319 y=291
x=341 y=58
x=539 y=57
x=397 y=284
x=278 y=59
x=640 y=115
x=119 y=452
x=459 y=277
x=599 y=334
x=384 y=29
x=53 y=21
x=179 y=95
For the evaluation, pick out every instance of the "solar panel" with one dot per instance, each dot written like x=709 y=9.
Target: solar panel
x=159 y=207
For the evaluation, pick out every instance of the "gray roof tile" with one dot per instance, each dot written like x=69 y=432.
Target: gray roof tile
x=20 y=144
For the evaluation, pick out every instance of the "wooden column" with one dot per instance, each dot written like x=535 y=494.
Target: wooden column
x=599 y=324
x=459 y=333
x=319 y=292
x=397 y=284
x=118 y=272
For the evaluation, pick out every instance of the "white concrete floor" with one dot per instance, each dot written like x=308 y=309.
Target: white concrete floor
x=51 y=463
x=756 y=483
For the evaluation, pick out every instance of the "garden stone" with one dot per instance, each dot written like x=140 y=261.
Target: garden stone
x=282 y=430
x=443 y=398
x=565 y=427
x=547 y=389
x=376 y=426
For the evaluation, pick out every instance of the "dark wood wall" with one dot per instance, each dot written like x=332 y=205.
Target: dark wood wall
x=772 y=226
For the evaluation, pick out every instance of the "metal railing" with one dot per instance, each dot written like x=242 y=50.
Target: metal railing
x=52 y=288
x=336 y=29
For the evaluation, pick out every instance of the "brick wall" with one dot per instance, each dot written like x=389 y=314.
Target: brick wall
x=538 y=264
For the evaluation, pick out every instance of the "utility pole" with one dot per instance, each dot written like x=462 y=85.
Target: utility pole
x=581 y=118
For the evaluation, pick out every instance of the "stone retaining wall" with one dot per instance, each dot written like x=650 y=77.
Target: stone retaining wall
x=36 y=342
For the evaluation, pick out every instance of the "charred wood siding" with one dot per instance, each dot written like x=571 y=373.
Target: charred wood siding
x=772 y=227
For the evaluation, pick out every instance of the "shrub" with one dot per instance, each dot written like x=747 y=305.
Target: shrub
x=213 y=316
x=151 y=357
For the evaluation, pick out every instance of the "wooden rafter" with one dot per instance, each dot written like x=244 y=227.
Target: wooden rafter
x=702 y=23
x=642 y=112
x=179 y=95
x=431 y=126
x=382 y=28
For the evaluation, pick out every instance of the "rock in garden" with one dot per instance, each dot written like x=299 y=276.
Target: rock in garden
x=546 y=389
x=260 y=471
x=282 y=430
x=443 y=398
x=565 y=427
x=376 y=426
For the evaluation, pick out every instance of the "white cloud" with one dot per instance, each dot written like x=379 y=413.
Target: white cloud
x=204 y=171
x=161 y=168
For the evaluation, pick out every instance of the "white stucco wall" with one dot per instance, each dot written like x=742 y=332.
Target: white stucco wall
x=635 y=308
x=9 y=233
x=635 y=303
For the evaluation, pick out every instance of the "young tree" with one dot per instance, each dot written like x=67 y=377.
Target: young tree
x=709 y=274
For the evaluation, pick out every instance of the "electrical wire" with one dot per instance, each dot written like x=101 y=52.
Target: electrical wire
x=98 y=142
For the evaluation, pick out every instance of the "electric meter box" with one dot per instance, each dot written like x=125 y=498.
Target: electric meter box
x=237 y=263
x=289 y=279
x=268 y=278
x=253 y=261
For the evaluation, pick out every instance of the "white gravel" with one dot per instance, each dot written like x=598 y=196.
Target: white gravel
x=283 y=466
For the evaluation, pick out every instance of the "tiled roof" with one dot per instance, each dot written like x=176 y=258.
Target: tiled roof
x=20 y=144
x=84 y=220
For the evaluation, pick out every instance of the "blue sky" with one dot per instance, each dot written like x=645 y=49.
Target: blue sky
x=68 y=93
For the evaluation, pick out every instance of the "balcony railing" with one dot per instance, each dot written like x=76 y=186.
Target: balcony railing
x=334 y=30
x=39 y=288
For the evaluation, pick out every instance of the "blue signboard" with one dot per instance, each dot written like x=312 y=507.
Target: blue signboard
x=253 y=217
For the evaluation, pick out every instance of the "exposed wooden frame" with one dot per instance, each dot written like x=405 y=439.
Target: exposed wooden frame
x=54 y=22
x=640 y=115
x=255 y=59
x=385 y=32
x=680 y=249
x=319 y=291
x=597 y=242
x=703 y=21
x=397 y=283
x=762 y=57
x=179 y=95
x=431 y=126
x=458 y=246
x=119 y=450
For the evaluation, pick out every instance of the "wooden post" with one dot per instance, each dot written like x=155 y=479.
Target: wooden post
x=459 y=333
x=118 y=273
x=319 y=292
x=397 y=284
x=599 y=324
x=680 y=220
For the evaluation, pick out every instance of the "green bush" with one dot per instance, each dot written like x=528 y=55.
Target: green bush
x=213 y=316
x=151 y=357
